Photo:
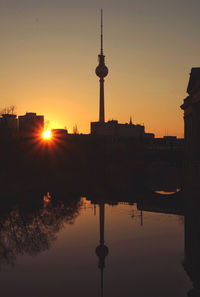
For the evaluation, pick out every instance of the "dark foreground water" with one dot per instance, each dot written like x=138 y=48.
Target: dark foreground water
x=51 y=251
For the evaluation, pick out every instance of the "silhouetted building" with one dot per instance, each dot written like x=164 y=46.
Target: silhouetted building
x=170 y=139
x=168 y=143
x=31 y=123
x=149 y=137
x=191 y=107
x=8 y=124
x=59 y=133
x=116 y=130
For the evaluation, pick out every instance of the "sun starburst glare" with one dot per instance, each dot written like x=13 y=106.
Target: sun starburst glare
x=47 y=134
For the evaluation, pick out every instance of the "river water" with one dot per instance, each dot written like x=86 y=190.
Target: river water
x=51 y=251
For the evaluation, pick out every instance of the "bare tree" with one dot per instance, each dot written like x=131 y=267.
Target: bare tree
x=75 y=129
x=8 y=110
x=46 y=124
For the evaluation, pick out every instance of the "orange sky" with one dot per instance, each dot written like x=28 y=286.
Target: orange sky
x=49 y=53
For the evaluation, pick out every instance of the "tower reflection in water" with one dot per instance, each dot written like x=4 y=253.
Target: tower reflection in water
x=102 y=249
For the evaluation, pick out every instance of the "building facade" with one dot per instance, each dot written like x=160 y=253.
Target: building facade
x=191 y=107
x=117 y=130
x=31 y=123
x=8 y=124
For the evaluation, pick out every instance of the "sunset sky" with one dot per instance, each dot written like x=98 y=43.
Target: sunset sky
x=48 y=56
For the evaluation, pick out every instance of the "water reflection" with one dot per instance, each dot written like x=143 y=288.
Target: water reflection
x=25 y=230
x=30 y=230
x=168 y=192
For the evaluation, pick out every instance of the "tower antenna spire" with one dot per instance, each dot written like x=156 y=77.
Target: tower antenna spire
x=101 y=31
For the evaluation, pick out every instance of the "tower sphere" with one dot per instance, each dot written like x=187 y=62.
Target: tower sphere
x=101 y=71
x=102 y=251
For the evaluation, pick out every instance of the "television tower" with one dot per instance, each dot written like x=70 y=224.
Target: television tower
x=101 y=72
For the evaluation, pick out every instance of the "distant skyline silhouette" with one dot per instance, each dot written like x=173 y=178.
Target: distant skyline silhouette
x=49 y=50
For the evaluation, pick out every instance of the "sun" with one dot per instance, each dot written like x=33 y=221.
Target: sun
x=47 y=134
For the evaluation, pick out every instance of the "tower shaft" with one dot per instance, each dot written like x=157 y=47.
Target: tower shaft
x=101 y=218
x=101 y=102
